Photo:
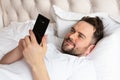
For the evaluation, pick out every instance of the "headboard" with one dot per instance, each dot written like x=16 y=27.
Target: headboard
x=22 y=10
x=107 y=59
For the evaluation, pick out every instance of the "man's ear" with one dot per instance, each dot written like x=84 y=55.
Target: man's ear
x=90 y=48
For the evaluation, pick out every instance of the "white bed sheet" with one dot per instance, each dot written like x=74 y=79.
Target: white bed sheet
x=16 y=71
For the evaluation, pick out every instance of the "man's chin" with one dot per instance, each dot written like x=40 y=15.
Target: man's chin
x=67 y=47
x=70 y=52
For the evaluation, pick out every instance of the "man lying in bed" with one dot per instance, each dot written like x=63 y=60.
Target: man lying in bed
x=47 y=62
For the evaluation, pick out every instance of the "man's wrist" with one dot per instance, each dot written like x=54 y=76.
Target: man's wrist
x=38 y=64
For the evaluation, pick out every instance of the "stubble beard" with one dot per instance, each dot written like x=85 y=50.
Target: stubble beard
x=66 y=47
x=72 y=50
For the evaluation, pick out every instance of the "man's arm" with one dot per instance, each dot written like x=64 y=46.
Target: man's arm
x=13 y=55
x=40 y=72
x=34 y=55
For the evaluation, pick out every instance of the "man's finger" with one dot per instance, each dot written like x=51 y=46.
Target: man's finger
x=32 y=37
x=44 y=41
x=23 y=43
x=27 y=40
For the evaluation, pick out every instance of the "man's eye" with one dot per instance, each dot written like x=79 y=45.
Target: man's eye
x=80 y=36
x=72 y=30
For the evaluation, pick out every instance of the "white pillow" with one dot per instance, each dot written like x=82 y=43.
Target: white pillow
x=106 y=53
x=106 y=57
x=64 y=20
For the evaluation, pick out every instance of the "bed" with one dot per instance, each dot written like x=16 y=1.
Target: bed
x=18 y=16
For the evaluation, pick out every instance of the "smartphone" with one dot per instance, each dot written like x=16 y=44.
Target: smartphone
x=40 y=27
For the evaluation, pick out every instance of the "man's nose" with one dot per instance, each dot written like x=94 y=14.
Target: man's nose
x=73 y=36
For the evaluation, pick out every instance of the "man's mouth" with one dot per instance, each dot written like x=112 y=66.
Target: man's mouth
x=69 y=42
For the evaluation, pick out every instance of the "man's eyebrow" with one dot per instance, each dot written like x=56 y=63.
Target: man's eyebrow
x=82 y=34
x=73 y=28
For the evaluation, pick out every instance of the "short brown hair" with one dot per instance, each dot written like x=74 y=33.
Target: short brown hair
x=97 y=24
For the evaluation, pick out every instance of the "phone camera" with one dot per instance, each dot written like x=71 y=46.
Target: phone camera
x=42 y=22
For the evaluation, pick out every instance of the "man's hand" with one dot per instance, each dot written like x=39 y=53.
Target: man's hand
x=32 y=51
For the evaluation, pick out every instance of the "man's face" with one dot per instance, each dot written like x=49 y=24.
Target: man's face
x=78 y=40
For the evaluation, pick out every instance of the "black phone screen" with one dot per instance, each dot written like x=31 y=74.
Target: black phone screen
x=40 y=27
